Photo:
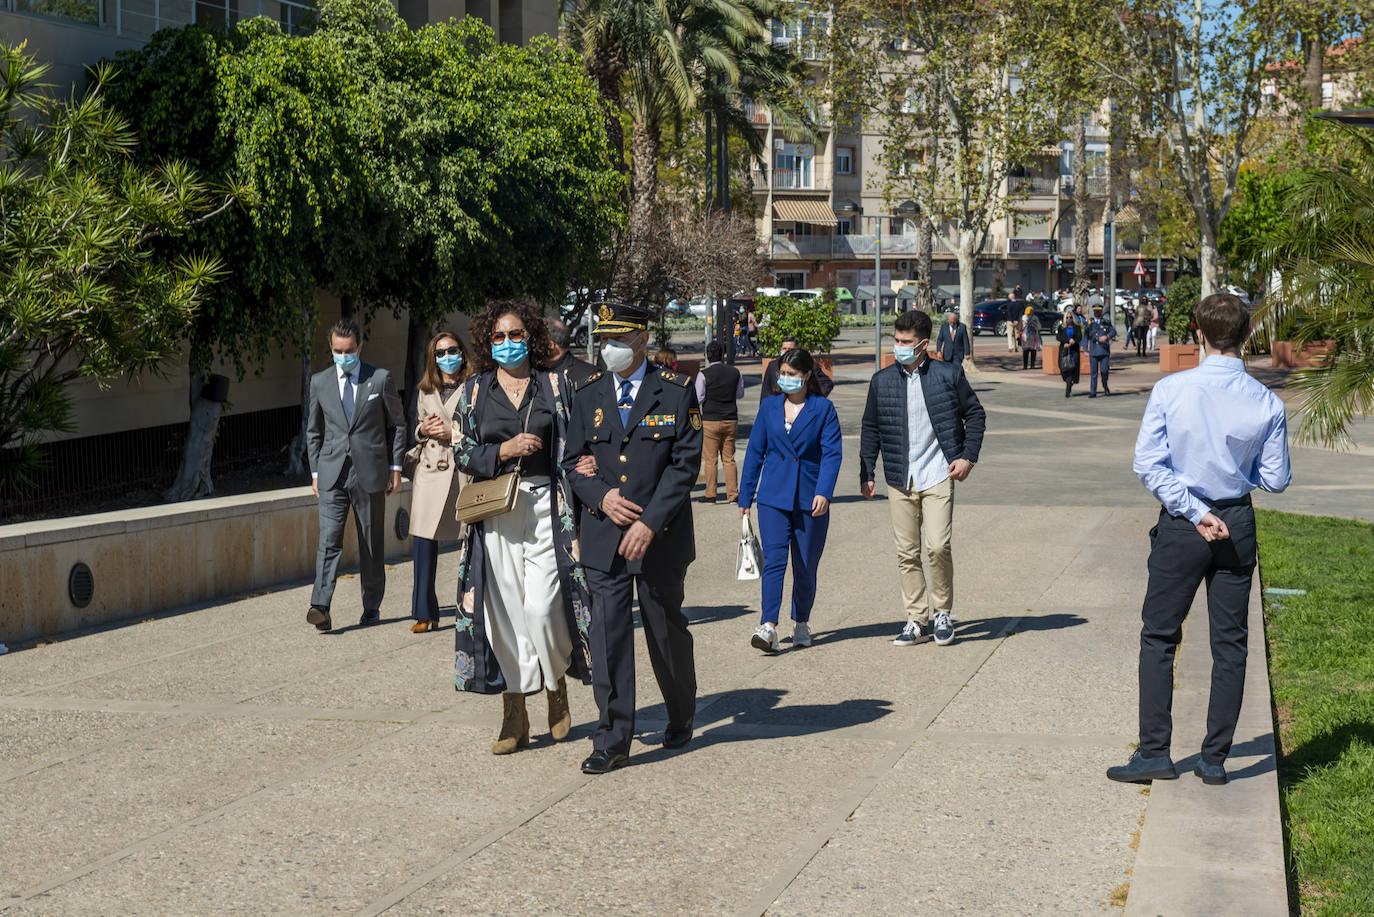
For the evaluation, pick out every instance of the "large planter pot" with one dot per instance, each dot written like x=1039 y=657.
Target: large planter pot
x=689 y=368
x=1176 y=357
x=1288 y=355
x=1049 y=359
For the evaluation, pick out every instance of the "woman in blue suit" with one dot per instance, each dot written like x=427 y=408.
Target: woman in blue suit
x=792 y=461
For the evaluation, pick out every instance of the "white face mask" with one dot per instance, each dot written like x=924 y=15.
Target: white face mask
x=617 y=355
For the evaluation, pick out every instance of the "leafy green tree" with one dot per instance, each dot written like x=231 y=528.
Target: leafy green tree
x=1324 y=258
x=815 y=323
x=86 y=287
x=953 y=91
x=1255 y=223
x=1184 y=295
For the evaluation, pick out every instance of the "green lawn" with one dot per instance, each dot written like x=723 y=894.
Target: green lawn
x=1321 y=663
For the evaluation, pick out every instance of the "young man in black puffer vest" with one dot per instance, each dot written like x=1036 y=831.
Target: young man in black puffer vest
x=923 y=418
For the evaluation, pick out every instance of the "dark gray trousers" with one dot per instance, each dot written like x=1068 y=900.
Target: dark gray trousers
x=1180 y=560
x=369 y=513
x=613 y=650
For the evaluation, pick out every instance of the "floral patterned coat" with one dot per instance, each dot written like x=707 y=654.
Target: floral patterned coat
x=474 y=663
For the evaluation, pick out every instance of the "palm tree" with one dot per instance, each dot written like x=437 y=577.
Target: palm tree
x=1325 y=262
x=654 y=60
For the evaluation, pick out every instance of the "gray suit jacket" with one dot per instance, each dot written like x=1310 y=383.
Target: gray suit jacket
x=375 y=440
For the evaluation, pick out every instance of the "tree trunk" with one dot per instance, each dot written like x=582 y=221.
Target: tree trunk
x=968 y=270
x=417 y=339
x=296 y=462
x=193 y=478
x=925 y=243
x=1208 y=261
x=1314 y=61
x=644 y=148
x=1080 y=213
x=710 y=161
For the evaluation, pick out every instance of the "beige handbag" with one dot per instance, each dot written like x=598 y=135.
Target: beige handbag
x=480 y=500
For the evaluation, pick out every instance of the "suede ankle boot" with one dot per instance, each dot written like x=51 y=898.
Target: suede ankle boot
x=515 y=726
x=560 y=720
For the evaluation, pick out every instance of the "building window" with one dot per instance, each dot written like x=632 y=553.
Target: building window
x=844 y=227
x=83 y=11
x=791 y=280
x=1328 y=92
x=844 y=160
x=792 y=164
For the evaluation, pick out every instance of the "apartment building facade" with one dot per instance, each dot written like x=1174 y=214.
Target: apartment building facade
x=821 y=211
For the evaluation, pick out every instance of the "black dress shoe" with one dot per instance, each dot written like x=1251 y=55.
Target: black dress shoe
x=677 y=736
x=319 y=616
x=369 y=618
x=1211 y=774
x=603 y=762
x=1142 y=769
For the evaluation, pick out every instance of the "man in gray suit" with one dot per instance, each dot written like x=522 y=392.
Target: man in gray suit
x=355 y=436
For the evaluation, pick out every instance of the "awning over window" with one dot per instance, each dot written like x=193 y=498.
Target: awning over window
x=817 y=212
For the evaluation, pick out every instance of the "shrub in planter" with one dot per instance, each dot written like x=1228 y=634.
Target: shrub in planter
x=1183 y=297
x=813 y=322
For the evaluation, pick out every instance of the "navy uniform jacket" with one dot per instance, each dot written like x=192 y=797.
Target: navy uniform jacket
x=654 y=460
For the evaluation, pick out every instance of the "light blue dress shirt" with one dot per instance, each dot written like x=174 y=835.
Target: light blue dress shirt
x=1211 y=433
x=925 y=462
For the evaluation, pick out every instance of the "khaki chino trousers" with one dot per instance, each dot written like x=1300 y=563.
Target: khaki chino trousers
x=923 y=528
x=718 y=439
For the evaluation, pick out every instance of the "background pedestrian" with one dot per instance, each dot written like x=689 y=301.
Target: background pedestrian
x=719 y=388
x=1030 y=338
x=435 y=484
x=1070 y=351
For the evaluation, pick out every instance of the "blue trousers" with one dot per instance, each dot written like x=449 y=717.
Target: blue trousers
x=424 y=604
x=803 y=535
x=1099 y=366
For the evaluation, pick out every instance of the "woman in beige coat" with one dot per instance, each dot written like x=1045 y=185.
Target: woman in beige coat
x=434 y=489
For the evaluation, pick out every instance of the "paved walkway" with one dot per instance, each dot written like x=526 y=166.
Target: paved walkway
x=230 y=760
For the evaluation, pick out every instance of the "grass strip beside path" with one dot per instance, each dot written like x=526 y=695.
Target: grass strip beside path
x=1321 y=666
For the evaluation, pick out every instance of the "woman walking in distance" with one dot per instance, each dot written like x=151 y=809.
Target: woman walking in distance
x=1070 y=351
x=1030 y=338
x=793 y=461
x=523 y=605
x=436 y=482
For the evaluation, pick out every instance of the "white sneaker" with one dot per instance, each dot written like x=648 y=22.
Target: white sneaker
x=801 y=635
x=766 y=638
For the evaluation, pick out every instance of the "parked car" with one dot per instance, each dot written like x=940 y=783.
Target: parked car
x=699 y=306
x=993 y=315
x=676 y=308
x=806 y=294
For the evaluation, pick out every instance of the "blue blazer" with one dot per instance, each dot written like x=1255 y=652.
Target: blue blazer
x=789 y=469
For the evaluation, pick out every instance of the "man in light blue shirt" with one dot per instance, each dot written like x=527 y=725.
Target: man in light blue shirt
x=1209 y=437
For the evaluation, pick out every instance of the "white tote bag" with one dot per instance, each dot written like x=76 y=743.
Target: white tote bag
x=749 y=557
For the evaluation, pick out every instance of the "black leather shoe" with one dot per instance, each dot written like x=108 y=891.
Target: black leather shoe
x=677 y=736
x=1141 y=769
x=603 y=762
x=319 y=616
x=1211 y=774
x=369 y=618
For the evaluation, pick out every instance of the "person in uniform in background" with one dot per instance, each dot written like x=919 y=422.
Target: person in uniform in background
x=355 y=436
x=434 y=487
x=1209 y=437
x=1101 y=333
x=642 y=424
x=719 y=388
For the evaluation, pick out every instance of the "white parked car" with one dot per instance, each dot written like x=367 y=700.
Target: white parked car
x=807 y=294
x=699 y=306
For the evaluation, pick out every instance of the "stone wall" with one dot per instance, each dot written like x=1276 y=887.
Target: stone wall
x=160 y=558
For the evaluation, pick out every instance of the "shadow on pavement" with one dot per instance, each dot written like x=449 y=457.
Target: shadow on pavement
x=1264 y=765
x=991 y=628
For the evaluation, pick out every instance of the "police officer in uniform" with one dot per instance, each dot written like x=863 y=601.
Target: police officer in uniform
x=642 y=424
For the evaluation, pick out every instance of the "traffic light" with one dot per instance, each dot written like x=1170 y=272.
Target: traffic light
x=1057 y=261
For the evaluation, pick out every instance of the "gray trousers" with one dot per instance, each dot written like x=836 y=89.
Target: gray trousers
x=369 y=512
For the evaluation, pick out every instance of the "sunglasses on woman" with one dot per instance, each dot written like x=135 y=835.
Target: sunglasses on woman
x=451 y=351
x=517 y=335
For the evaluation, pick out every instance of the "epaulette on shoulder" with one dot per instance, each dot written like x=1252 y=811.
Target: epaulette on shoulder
x=587 y=381
x=675 y=378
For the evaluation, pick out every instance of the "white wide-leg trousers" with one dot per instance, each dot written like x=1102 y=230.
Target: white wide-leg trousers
x=525 y=622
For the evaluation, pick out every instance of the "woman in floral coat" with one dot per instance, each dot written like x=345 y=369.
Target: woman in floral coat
x=523 y=607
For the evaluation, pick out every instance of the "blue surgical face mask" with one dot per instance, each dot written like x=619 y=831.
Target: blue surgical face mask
x=508 y=353
x=905 y=353
x=790 y=384
x=346 y=361
x=450 y=363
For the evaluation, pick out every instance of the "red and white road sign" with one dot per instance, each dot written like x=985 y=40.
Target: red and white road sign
x=1139 y=268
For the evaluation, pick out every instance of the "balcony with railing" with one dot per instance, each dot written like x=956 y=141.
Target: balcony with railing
x=139 y=19
x=1035 y=185
x=840 y=246
x=1097 y=185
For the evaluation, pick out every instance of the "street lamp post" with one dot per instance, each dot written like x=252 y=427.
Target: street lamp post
x=878 y=294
